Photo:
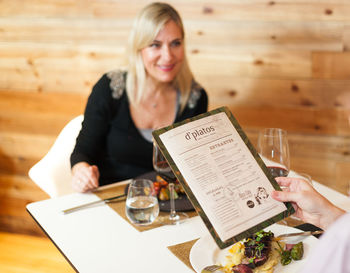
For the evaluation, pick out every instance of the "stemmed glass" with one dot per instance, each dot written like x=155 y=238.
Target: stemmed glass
x=274 y=150
x=141 y=203
x=163 y=169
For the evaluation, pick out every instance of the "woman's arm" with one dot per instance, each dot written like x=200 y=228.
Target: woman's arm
x=91 y=139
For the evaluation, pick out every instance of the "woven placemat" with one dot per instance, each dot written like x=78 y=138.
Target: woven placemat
x=182 y=252
x=119 y=206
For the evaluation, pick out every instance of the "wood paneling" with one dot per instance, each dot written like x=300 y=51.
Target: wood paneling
x=235 y=10
x=273 y=63
x=298 y=121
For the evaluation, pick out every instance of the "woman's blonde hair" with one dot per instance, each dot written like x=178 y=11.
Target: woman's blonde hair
x=148 y=23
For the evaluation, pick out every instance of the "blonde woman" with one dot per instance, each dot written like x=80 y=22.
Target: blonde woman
x=158 y=89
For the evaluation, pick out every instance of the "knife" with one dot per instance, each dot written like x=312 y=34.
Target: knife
x=304 y=233
x=107 y=200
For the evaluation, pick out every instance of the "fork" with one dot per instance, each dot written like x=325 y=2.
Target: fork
x=212 y=269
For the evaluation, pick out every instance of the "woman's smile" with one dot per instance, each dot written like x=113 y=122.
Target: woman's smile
x=166 y=68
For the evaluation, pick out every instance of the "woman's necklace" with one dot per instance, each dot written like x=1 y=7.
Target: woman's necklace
x=155 y=101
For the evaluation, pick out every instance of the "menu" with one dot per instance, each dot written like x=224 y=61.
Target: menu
x=222 y=174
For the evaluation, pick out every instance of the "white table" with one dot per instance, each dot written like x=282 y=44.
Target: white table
x=99 y=240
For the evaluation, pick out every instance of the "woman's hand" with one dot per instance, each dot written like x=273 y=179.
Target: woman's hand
x=85 y=177
x=310 y=206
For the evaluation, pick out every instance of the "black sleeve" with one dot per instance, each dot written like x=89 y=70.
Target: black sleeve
x=95 y=126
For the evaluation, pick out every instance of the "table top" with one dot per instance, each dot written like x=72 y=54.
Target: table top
x=99 y=240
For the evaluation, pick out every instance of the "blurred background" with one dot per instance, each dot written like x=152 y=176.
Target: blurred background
x=273 y=63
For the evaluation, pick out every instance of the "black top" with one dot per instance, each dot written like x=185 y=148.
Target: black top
x=109 y=137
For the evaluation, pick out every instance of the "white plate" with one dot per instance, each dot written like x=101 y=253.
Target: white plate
x=205 y=251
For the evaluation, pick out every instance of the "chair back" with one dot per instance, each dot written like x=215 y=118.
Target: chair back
x=53 y=173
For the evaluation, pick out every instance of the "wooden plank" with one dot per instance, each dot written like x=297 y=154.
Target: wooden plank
x=248 y=34
x=21 y=162
x=20 y=188
x=69 y=31
x=29 y=254
x=22 y=145
x=16 y=164
x=53 y=68
x=226 y=89
x=38 y=113
x=210 y=10
x=257 y=64
x=18 y=191
x=34 y=102
x=47 y=124
x=302 y=120
x=296 y=35
x=331 y=65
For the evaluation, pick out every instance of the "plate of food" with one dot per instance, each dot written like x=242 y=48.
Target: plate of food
x=264 y=255
x=182 y=203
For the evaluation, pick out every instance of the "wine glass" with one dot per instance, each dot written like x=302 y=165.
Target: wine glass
x=163 y=169
x=142 y=206
x=274 y=151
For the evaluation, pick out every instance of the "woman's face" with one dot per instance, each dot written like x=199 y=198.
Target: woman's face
x=164 y=56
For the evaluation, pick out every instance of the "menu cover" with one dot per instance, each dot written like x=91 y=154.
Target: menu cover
x=222 y=174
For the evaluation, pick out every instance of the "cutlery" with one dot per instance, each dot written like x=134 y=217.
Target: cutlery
x=107 y=200
x=304 y=233
x=212 y=269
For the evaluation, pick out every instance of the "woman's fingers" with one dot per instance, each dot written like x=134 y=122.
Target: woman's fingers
x=285 y=196
x=78 y=184
x=85 y=179
x=283 y=181
x=94 y=176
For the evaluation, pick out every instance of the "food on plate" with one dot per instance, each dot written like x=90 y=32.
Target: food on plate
x=162 y=189
x=260 y=253
x=297 y=251
x=291 y=252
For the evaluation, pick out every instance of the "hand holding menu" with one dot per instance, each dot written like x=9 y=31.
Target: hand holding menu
x=222 y=174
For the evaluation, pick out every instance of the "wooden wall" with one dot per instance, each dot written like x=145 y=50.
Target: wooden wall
x=274 y=63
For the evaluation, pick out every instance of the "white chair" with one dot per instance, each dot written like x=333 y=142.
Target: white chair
x=52 y=173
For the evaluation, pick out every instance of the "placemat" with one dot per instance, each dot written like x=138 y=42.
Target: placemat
x=182 y=252
x=119 y=206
